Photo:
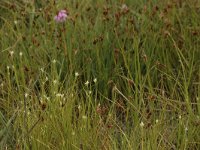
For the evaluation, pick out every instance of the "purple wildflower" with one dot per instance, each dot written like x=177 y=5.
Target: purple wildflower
x=61 y=16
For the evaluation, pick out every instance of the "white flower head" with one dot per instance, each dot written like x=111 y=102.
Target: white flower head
x=1 y=84
x=58 y=95
x=20 y=54
x=76 y=74
x=15 y=22
x=142 y=124
x=87 y=83
x=95 y=80
x=84 y=117
x=28 y=113
x=42 y=69
x=11 y=53
x=62 y=95
x=26 y=95
x=124 y=7
x=55 y=81
x=54 y=61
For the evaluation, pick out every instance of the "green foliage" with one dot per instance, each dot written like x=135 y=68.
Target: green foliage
x=141 y=59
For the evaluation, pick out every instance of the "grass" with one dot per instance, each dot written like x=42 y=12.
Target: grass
x=141 y=59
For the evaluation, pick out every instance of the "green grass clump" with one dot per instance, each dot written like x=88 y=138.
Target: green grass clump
x=115 y=75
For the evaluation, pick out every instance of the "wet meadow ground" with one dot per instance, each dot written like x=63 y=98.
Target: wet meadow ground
x=100 y=74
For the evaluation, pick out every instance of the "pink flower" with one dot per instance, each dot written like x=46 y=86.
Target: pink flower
x=61 y=16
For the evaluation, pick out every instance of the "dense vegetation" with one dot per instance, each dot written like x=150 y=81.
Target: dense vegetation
x=116 y=74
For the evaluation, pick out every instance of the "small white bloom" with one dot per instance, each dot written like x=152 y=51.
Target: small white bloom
x=142 y=124
x=11 y=53
x=90 y=92
x=41 y=99
x=179 y=117
x=20 y=54
x=15 y=22
x=58 y=95
x=95 y=80
x=28 y=113
x=54 y=61
x=156 y=120
x=186 y=129
x=55 y=81
x=86 y=83
x=62 y=95
x=46 y=79
x=42 y=69
x=26 y=95
x=8 y=67
x=76 y=74
x=84 y=117
x=124 y=7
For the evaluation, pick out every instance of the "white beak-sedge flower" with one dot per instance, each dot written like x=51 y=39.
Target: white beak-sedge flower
x=76 y=74
x=142 y=124
x=95 y=80
x=87 y=83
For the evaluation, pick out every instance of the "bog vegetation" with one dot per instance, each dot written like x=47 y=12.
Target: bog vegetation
x=99 y=74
